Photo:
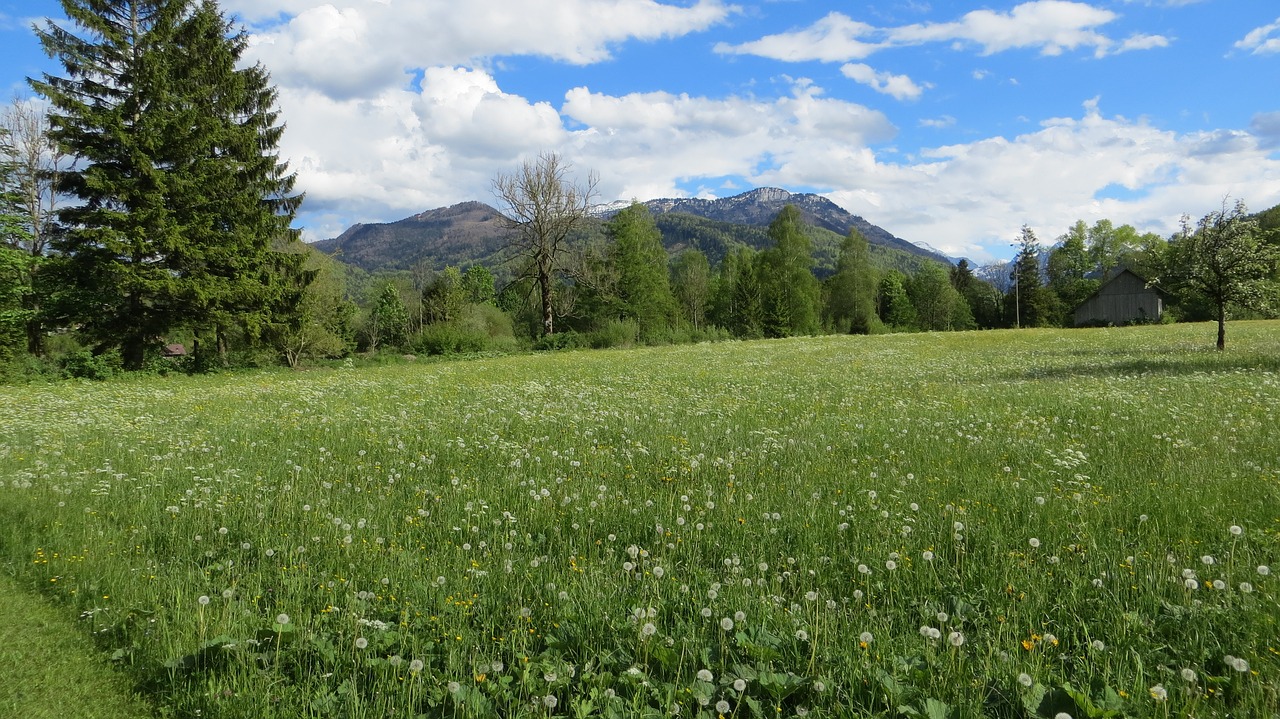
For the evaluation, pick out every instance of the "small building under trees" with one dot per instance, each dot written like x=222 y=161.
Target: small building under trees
x=1124 y=299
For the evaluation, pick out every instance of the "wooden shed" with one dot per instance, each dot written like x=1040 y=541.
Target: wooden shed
x=1123 y=299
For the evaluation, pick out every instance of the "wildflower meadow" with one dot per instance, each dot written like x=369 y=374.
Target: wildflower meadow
x=1001 y=524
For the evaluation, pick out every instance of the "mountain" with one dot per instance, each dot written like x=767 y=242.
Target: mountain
x=472 y=233
x=759 y=207
x=464 y=234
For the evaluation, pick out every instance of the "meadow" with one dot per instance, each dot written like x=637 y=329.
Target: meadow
x=1000 y=524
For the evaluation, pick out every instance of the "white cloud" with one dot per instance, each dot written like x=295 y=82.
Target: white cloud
x=834 y=38
x=970 y=199
x=400 y=153
x=645 y=145
x=1262 y=41
x=900 y=87
x=1053 y=26
x=938 y=123
x=1143 y=42
x=364 y=46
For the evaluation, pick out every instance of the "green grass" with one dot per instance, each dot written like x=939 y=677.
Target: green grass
x=1003 y=524
x=51 y=670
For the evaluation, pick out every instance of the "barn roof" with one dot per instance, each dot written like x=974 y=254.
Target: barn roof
x=1124 y=271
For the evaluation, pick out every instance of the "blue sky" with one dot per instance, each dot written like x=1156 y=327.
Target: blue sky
x=947 y=123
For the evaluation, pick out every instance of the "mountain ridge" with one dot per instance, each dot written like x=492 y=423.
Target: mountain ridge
x=472 y=232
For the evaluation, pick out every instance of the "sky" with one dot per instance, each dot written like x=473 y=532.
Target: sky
x=947 y=123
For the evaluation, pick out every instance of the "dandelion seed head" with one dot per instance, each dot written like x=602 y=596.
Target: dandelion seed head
x=726 y=624
x=722 y=707
x=282 y=619
x=1024 y=679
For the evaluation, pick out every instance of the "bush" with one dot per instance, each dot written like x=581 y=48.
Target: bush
x=616 y=333
x=562 y=341
x=83 y=364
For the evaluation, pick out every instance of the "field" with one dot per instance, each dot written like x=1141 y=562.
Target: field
x=1003 y=524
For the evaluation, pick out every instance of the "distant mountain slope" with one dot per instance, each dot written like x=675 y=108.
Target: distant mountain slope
x=464 y=234
x=472 y=233
x=759 y=207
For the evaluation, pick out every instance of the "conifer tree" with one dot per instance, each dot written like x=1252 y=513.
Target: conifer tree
x=182 y=199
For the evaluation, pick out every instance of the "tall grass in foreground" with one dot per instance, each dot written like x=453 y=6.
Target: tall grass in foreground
x=1002 y=524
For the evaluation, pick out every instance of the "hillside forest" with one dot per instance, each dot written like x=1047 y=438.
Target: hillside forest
x=147 y=207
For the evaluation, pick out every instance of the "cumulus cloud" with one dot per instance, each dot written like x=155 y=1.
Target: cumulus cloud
x=646 y=144
x=900 y=87
x=834 y=38
x=1143 y=42
x=364 y=46
x=1053 y=26
x=388 y=157
x=1053 y=176
x=1262 y=41
x=404 y=151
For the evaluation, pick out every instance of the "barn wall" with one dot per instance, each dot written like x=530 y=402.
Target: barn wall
x=1124 y=299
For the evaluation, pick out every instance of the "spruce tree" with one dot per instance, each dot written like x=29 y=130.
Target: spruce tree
x=231 y=193
x=182 y=199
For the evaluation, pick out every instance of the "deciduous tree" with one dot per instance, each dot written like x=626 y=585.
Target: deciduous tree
x=790 y=293
x=541 y=205
x=1225 y=260
x=640 y=264
x=691 y=283
x=851 y=291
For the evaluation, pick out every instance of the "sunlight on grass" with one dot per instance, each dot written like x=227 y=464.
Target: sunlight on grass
x=1009 y=523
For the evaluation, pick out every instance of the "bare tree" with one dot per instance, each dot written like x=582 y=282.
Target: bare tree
x=542 y=205
x=37 y=164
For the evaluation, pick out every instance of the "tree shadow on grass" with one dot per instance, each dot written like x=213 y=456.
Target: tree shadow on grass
x=1170 y=365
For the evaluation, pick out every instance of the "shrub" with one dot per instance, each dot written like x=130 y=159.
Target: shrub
x=83 y=364
x=616 y=333
x=562 y=341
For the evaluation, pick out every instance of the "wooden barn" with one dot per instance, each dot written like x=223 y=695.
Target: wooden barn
x=1124 y=299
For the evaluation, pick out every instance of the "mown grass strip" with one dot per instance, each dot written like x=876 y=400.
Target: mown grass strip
x=51 y=669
